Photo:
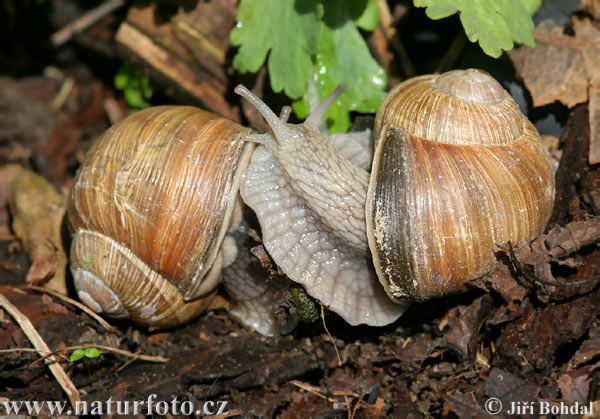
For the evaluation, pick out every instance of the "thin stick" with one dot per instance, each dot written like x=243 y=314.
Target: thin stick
x=312 y=389
x=46 y=354
x=454 y=52
x=62 y=95
x=38 y=343
x=329 y=334
x=104 y=323
x=87 y=20
x=357 y=405
x=394 y=40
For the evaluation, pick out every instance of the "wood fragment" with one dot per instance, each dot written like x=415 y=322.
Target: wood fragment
x=89 y=19
x=38 y=342
x=394 y=40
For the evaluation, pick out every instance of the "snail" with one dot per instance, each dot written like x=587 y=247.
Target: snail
x=149 y=211
x=155 y=216
x=457 y=169
x=441 y=193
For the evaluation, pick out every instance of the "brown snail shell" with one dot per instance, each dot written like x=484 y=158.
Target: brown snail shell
x=457 y=169
x=149 y=211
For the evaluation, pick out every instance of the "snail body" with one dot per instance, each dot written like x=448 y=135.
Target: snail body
x=149 y=211
x=457 y=169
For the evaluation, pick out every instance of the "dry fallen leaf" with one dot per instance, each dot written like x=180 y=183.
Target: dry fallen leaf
x=38 y=210
x=563 y=241
x=574 y=387
x=565 y=68
x=7 y=174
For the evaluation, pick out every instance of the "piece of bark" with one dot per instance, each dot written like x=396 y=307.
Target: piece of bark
x=532 y=340
x=573 y=162
x=186 y=52
x=38 y=211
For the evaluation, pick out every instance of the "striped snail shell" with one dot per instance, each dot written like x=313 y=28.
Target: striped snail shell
x=149 y=211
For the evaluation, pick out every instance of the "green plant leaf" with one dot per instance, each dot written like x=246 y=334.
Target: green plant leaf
x=76 y=355
x=344 y=57
x=92 y=353
x=494 y=23
x=121 y=80
x=136 y=87
x=369 y=19
x=289 y=30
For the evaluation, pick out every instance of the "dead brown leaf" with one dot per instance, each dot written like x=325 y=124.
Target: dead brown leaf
x=589 y=350
x=574 y=74
x=563 y=241
x=7 y=174
x=465 y=322
x=509 y=388
x=53 y=306
x=38 y=210
x=574 y=387
x=502 y=281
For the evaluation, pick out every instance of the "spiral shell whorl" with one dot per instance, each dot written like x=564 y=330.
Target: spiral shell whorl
x=457 y=170
x=149 y=211
x=459 y=107
x=471 y=86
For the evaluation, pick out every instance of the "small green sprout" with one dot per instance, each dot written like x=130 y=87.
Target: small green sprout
x=136 y=87
x=79 y=353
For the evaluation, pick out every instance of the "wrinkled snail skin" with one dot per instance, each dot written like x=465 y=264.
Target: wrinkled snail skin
x=309 y=199
x=457 y=169
x=149 y=211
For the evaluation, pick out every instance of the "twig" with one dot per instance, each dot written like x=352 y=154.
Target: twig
x=312 y=389
x=394 y=40
x=357 y=405
x=329 y=334
x=38 y=342
x=62 y=95
x=46 y=354
x=88 y=19
x=104 y=323
x=454 y=51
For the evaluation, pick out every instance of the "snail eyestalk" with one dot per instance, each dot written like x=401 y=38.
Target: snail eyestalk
x=277 y=125
x=314 y=119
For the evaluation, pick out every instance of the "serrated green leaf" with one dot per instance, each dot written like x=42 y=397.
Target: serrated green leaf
x=92 y=353
x=369 y=19
x=344 y=58
x=287 y=29
x=437 y=9
x=76 y=355
x=531 y=6
x=519 y=21
x=494 y=23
